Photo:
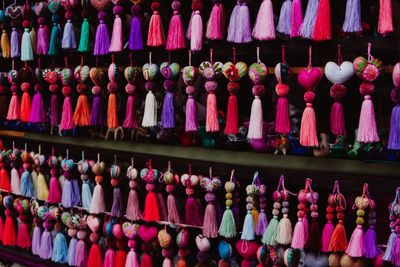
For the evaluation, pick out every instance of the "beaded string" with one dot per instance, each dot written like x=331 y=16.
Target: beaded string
x=227 y=227
x=314 y=238
x=284 y=231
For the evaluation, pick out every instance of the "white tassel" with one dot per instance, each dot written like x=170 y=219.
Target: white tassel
x=150 y=111
x=15 y=182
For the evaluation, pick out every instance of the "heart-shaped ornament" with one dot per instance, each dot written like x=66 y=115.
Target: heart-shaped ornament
x=258 y=72
x=169 y=70
x=93 y=223
x=81 y=73
x=39 y=8
x=396 y=75
x=210 y=71
x=100 y=5
x=53 y=5
x=234 y=72
x=130 y=230
x=97 y=75
x=130 y=73
x=13 y=11
x=150 y=71
x=147 y=233
x=309 y=78
x=282 y=72
x=367 y=70
x=202 y=243
x=339 y=74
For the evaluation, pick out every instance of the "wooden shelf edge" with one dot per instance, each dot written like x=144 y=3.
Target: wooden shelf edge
x=24 y=257
x=340 y=167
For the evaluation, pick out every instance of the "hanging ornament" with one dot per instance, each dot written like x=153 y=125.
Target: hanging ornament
x=68 y=40
x=262 y=221
x=67 y=122
x=394 y=134
x=136 y=30
x=85 y=44
x=70 y=193
x=14 y=107
x=81 y=116
x=176 y=35
x=170 y=72
x=239 y=29
x=27 y=188
x=338 y=74
x=97 y=119
x=151 y=206
x=4 y=98
x=113 y=125
x=26 y=76
x=26 y=41
x=116 y=36
x=216 y=23
x=133 y=212
x=183 y=242
x=83 y=167
x=15 y=179
x=102 y=40
x=130 y=231
x=9 y=238
x=189 y=75
x=165 y=241
x=314 y=237
x=38 y=112
x=323 y=29
x=117 y=208
x=55 y=193
x=233 y=72
x=308 y=24
x=24 y=233
x=60 y=245
x=352 y=19
x=391 y=254
x=285 y=18
x=284 y=229
x=227 y=228
x=210 y=71
x=193 y=210
x=195 y=28
x=131 y=75
x=97 y=205
x=368 y=70
x=95 y=256
x=309 y=79
x=338 y=240
x=156 y=36
x=171 y=181
x=150 y=73
x=46 y=241
x=51 y=76
x=37 y=229
x=55 y=35
x=42 y=44
x=372 y=251
x=81 y=251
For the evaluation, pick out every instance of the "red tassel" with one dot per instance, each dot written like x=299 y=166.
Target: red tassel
x=338 y=241
x=9 y=232
x=322 y=28
x=120 y=258
x=146 y=260
x=156 y=35
x=1 y=228
x=232 y=116
x=151 y=208
x=4 y=179
x=24 y=237
x=94 y=258
x=26 y=104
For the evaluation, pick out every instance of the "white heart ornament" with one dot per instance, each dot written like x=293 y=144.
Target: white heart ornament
x=202 y=243
x=339 y=74
x=396 y=75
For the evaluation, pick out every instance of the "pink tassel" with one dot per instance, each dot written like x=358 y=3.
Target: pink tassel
x=212 y=124
x=282 y=122
x=14 y=108
x=173 y=213
x=308 y=128
x=367 y=130
x=109 y=258
x=54 y=191
x=385 y=22
x=356 y=247
x=162 y=207
x=297 y=19
x=155 y=35
x=337 y=119
x=299 y=235
x=195 y=29
x=264 y=28
x=216 y=22
x=396 y=251
x=210 y=227
x=326 y=236
x=67 y=122
x=132 y=259
x=130 y=121
x=176 y=36
x=132 y=207
x=116 y=37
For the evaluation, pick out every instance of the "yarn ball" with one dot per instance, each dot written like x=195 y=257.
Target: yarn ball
x=176 y=5
x=224 y=250
x=81 y=73
x=338 y=91
x=258 y=72
x=309 y=96
x=130 y=73
x=150 y=71
x=367 y=88
x=234 y=72
x=131 y=173
x=100 y=5
x=117 y=231
x=169 y=85
x=169 y=70
x=41 y=212
x=203 y=243
x=155 y=6
x=96 y=75
x=233 y=87
x=25 y=86
x=65 y=217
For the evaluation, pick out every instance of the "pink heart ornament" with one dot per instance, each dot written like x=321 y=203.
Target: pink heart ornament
x=309 y=78
x=396 y=75
x=147 y=233
x=339 y=74
x=202 y=243
x=93 y=223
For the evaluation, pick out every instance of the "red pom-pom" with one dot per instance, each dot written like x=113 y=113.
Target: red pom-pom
x=309 y=96
x=26 y=24
x=25 y=86
x=41 y=20
x=117 y=10
x=68 y=15
x=197 y=5
x=66 y=90
x=282 y=89
x=155 y=6
x=338 y=91
x=367 y=88
x=14 y=88
x=233 y=87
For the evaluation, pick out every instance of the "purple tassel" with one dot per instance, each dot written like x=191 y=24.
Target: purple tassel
x=76 y=196
x=38 y=114
x=239 y=30
x=262 y=223
x=371 y=247
x=285 y=18
x=36 y=237
x=168 y=113
x=102 y=43
x=66 y=198
x=54 y=110
x=117 y=208
x=42 y=43
x=14 y=43
x=46 y=245
x=394 y=135
x=97 y=116
x=352 y=20
x=191 y=122
x=307 y=27
x=135 y=35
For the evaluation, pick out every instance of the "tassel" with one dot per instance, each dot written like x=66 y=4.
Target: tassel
x=327 y=233
x=9 y=231
x=396 y=250
x=112 y=112
x=67 y=122
x=282 y=121
x=176 y=36
x=82 y=110
x=68 y=39
x=239 y=29
x=314 y=238
x=34 y=176
x=352 y=19
x=308 y=25
x=168 y=112
x=84 y=39
x=155 y=37
x=130 y=121
x=24 y=235
x=388 y=256
x=26 y=44
x=264 y=28
x=60 y=249
x=385 y=22
x=356 y=247
x=262 y=221
x=248 y=227
x=285 y=18
x=81 y=250
x=5 y=183
x=38 y=112
x=323 y=29
x=284 y=230
x=189 y=75
x=94 y=258
x=120 y=258
x=14 y=43
x=394 y=134
x=42 y=190
x=42 y=45
x=299 y=235
x=117 y=207
x=367 y=130
x=109 y=258
x=210 y=227
x=227 y=228
x=195 y=29
x=15 y=180
x=5 y=44
x=132 y=259
x=14 y=108
x=102 y=41
x=193 y=214
x=27 y=188
x=97 y=205
x=146 y=260
x=270 y=234
x=96 y=115
x=308 y=128
x=150 y=109
x=46 y=242
x=116 y=36
x=151 y=207
x=55 y=37
x=36 y=237
x=54 y=110
x=216 y=22
x=212 y=124
x=67 y=190
x=173 y=213
x=86 y=194
x=26 y=104
x=33 y=36
x=72 y=250
x=296 y=19
x=132 y=207
x=136 y=34
x=337 y=125
x=55 y=190
x=257 y=73
x=371 y=247
x=232 y=124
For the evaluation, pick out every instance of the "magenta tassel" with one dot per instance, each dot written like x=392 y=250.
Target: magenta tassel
x=117 y=207
x=130 y=121
x=282 y=122
x=326 y=236
x=216 y=22
x=116 y=37
x=367 y=130
x=191 y=114
x=297 y=19
x=396 y=251
x=54 y=110
x=42 y=45
x=193 y=214
x=81 y=254
x=176 y=36
x=38 y=113
x=356 y=247
x=338 y=126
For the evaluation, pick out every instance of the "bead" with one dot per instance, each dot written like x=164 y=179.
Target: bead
x=313 y=207
x=285 y=204
x=340 y=216
x=249 y=206
x=360 y=221
x=229 y=202
x=301 y=206
x=371 y=214
x=249 y=199
x=285 y=210
x=275 y=212
x=314 y=214
x=329 y=216
x=150 y=187
x=397 y=229
x=300 y=214
x=228 y=195
x=99 y=179
x=302 y=197
x=330 y=209
x=277 y=205
x=360 y=213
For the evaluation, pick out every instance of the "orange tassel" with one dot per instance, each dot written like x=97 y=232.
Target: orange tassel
x=26 y=106
x=338 y=241
x=82 y=111
x=112 y=116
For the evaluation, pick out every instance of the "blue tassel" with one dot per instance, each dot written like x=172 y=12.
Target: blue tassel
x=26 y=46
x=86 y=195
x=55 y=38
x=27 y=188
x=248 y=227
x=68 y=39
x=71 y=251
x=60 y=249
